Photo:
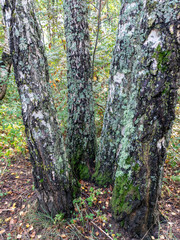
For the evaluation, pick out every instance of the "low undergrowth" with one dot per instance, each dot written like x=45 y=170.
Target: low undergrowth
x=92 y=217
x=12 y=136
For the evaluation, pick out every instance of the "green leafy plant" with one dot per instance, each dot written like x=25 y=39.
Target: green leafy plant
x=90 y=216
x=176 y=178
x=2 y=194
x=58 y=218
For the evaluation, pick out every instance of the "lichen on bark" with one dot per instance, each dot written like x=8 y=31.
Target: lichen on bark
x=81 y=134
x=53 y=180
x=140 y=109
x=121 y=92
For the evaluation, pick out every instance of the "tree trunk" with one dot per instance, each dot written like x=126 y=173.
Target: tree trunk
x=51 y=171
x=5 y=67
x=81 y=137
x=140 y=110
x=4 y=74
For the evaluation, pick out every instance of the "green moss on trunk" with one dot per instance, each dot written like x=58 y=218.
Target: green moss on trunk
x=102 y=179
x=124 y=190
x=79 y=166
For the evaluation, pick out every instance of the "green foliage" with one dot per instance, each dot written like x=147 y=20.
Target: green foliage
x=1 y=32
x=12 y=135
x=2 y=194
x=51 y=18
x=58 y=218
x=173 y=153
x=81 y=204
x=90 y=200
x=9 y=236
x=58 y=82
x=90 y=216
x=176 y=178
x=106 y=41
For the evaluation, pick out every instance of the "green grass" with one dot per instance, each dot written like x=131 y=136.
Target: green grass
x=173 y=153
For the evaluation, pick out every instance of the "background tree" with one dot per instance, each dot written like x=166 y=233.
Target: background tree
x=13 y=147
x=56 y=53
x=51 y=171
x=5 y=66
x=81 y=139
x=140 y=110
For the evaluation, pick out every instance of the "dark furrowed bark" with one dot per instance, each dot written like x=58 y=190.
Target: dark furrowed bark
x=123 y=57
x=81 y=137
x=140 y=110
x=52 y=177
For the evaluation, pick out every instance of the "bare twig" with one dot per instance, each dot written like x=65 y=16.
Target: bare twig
x=102 y=230
x=94 y=6
x=100 y=106
x=4 y=169
x=147 y=232
x=5 y=210
x=76 y=230
x=97 y=36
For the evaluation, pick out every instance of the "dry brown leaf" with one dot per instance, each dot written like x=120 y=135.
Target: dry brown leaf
x=12 y=221
x=19 y=236
x=31 y=228
x=8 y=219
x=33 y=234
x=63 y=235
x=3 y=210
x=21 y=213
x=2 y=231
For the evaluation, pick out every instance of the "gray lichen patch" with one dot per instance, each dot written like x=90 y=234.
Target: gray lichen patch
x=52 y=173
x=81 y=135
x=140 y=109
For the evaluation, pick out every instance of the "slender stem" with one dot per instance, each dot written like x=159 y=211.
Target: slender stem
x=97 y=36
x=102 y=230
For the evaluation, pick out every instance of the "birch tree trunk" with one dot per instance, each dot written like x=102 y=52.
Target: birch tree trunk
x=140 y=110
x=51 y=171
x=5 y=66
x=81 y=137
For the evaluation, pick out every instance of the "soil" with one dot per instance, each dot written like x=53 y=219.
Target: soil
x=92 y=218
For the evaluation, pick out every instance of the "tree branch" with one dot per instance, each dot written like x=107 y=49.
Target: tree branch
x=97 y=36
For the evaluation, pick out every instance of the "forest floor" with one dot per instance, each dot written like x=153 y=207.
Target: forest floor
x=92 y=218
